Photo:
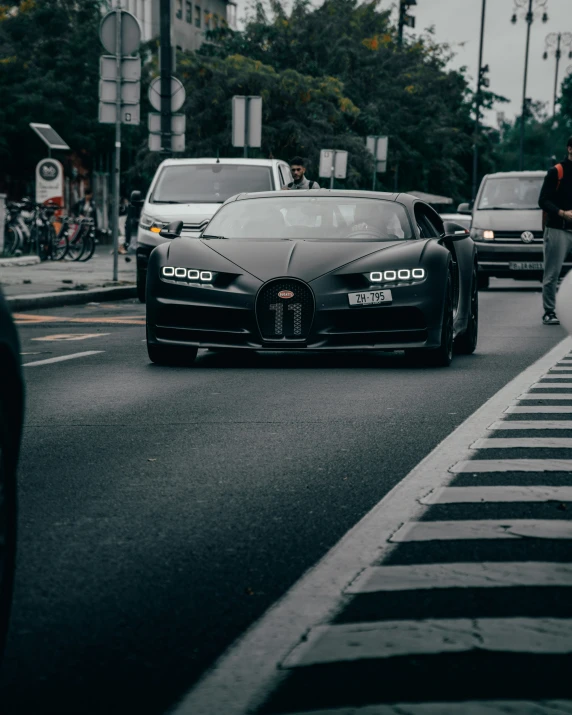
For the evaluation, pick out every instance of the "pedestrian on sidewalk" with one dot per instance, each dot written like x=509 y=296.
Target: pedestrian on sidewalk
x=86 y=207
x=298 y=169
x=556 y=203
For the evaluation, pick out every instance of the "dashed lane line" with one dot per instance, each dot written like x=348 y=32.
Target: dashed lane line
x=493 y=574
x=530 y=424
x=523 y=443
x=390 y=639
x=511 y=465
x=62 y=358
x=496 y=495
x=483 y=529
x=248 y=672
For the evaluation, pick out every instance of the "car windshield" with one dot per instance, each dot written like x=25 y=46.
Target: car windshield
x=209 y=183
x=511 y=193
x=287 y=216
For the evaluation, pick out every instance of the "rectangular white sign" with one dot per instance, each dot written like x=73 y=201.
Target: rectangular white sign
x=326 y=163
x=341 y=165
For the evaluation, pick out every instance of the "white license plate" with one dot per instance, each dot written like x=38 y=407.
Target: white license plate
x=370 y=297
x=526 y=266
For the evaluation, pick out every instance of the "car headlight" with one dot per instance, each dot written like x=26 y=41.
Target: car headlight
x=482 y=234
x=152 y=224
x=399 y=274
x=187 y=274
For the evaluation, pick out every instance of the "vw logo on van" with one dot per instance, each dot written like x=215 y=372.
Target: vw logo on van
x=527 y=236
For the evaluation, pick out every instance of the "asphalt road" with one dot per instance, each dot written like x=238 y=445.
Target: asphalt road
x=163 y=510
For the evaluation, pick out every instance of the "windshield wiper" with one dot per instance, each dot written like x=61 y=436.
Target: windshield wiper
x=506 y=208
x=205 y=235
x=158 y=201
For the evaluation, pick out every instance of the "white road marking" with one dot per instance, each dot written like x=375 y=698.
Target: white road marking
x=388 y=639
x=544 y=385
x=242 y=677
x=530 y=424
x=483 y=529
x=546 y=396
x=469 y=495
x=523 y=442
x=62 y=358
x=467 y=707
x=537 y=409
x=462 y=575
x=560 y=369
x=512 y=465
x=71 y=336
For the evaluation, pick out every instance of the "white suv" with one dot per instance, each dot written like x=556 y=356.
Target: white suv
x=191 y=190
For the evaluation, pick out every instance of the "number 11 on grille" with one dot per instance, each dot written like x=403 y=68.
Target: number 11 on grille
x=296 y=308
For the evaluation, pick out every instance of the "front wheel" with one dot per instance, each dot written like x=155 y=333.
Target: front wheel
x=466 y=343
x=176 y=356
x=442 y=355
x=141 y=280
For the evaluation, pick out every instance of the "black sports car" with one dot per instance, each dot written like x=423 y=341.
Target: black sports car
x=315 y=270
x=11 y=416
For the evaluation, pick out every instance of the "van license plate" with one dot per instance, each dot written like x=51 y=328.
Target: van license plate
x=526 y=266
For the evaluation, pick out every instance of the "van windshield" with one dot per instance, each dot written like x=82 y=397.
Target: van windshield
x=209 y=183
x=511 y=193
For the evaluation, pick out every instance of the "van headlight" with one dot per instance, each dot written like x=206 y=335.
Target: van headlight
x=152 y=224
x=482 y=234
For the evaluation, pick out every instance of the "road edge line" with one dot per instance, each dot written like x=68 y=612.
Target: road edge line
x=248 y=670
x=71 y=297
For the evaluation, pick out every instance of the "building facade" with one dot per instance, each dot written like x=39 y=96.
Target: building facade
x=189 y=22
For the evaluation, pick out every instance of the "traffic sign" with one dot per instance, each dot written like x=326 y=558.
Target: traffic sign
x=326 y=163
x=177 y=142
x=246 y=121
x=130 y=113
x=130 y=91
x=178 y=123
x=130 y=67
x=378 y=147
x=130 y=32
x=177 y=94
x=341 y=164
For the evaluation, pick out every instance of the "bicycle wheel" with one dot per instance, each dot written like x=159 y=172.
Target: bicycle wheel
x=76 y=245
x=60 y=243
x=11 y=240
x=44 y=242
x=89 y=246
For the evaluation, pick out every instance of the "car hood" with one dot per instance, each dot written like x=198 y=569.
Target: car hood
x=306 y=260
x=518 y=220
x=187 y=213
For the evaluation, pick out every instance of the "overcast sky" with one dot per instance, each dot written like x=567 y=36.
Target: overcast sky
x=458 y=22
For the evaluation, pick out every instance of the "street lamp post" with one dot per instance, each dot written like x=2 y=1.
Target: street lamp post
x=404 y=18
x=518 y=5
x=481 y=81
x=556 y=41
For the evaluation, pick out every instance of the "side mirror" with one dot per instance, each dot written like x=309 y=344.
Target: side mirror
x=173 y=230
x=464 y=208
x=454 y=231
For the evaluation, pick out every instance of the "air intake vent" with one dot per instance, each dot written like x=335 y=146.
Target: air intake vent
x=285 y=310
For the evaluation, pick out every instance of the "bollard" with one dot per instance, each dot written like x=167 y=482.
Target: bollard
x=564 y=303
x=2 y=221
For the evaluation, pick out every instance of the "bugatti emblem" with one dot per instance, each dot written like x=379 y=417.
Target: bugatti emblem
x=285 y=294
x=527 y=236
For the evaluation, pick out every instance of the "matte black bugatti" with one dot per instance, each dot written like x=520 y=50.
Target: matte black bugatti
x=315 y=270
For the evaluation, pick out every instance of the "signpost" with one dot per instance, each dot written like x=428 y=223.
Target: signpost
x=49 y=182
x=119 y=91
x=377 y=145
x=178 y=122
x=333 y=164
x=246 y=122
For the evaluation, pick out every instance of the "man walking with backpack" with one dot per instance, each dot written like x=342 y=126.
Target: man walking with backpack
x=556 y=203
x=298 y=169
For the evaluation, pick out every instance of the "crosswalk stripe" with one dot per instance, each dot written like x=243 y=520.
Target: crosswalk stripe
x=560 y=368
x=467 y=707
x=545 y=385
x=512 y=465
x=479 y=495
x=523 y=442
x=545 y=396
x=538 y=409
x=461 y=575
x=530 y=424
x=390 y=639
x=483 y=529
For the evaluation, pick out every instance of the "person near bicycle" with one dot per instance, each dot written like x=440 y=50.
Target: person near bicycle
x=86 y=208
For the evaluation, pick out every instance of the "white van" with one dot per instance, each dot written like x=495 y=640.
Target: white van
x=191 y=190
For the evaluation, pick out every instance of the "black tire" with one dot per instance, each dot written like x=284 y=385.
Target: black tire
x=89 y=247
x=8 y=522
x=76 y=246
x=10 y=241
x=59 y=245
x=466 y=343
x=162 y=355
x=141 y=281
x=482 y=281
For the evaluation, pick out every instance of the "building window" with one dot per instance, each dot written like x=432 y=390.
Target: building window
x=207 y=18
x=189 y=17
x=179 y=12
x=197 y=15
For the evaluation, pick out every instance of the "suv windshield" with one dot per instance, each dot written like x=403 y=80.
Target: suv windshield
x=511 y=192
x=288 y=216
x=209 y=183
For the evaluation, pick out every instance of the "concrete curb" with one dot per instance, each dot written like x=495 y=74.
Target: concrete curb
x=70 y=297
x=19 y=261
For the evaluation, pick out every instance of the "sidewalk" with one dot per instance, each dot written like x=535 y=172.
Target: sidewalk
x=56 y=283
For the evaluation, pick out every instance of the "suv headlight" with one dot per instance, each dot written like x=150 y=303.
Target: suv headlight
x=482 y=234
x=152 y=224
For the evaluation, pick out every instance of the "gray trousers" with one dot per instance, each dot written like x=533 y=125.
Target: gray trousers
x=557 y=243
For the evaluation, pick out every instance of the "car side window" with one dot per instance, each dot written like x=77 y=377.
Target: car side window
x=426 y=228
x=288 y=179
x=281 y=175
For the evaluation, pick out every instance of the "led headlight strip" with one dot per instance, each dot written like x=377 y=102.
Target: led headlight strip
x=403 y=274
x=189 y=274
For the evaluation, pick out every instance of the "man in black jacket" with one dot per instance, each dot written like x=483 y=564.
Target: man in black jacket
x=556 y=201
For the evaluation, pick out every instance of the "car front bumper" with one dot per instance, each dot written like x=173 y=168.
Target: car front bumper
x=498 y=259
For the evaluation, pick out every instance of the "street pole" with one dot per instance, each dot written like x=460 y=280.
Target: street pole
x=246 y=126
x=374 y=163
x=166 y=67
x=401 y=22
x=529 y=17
x=556 y=76
x=117 y=167
x=478 y=105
